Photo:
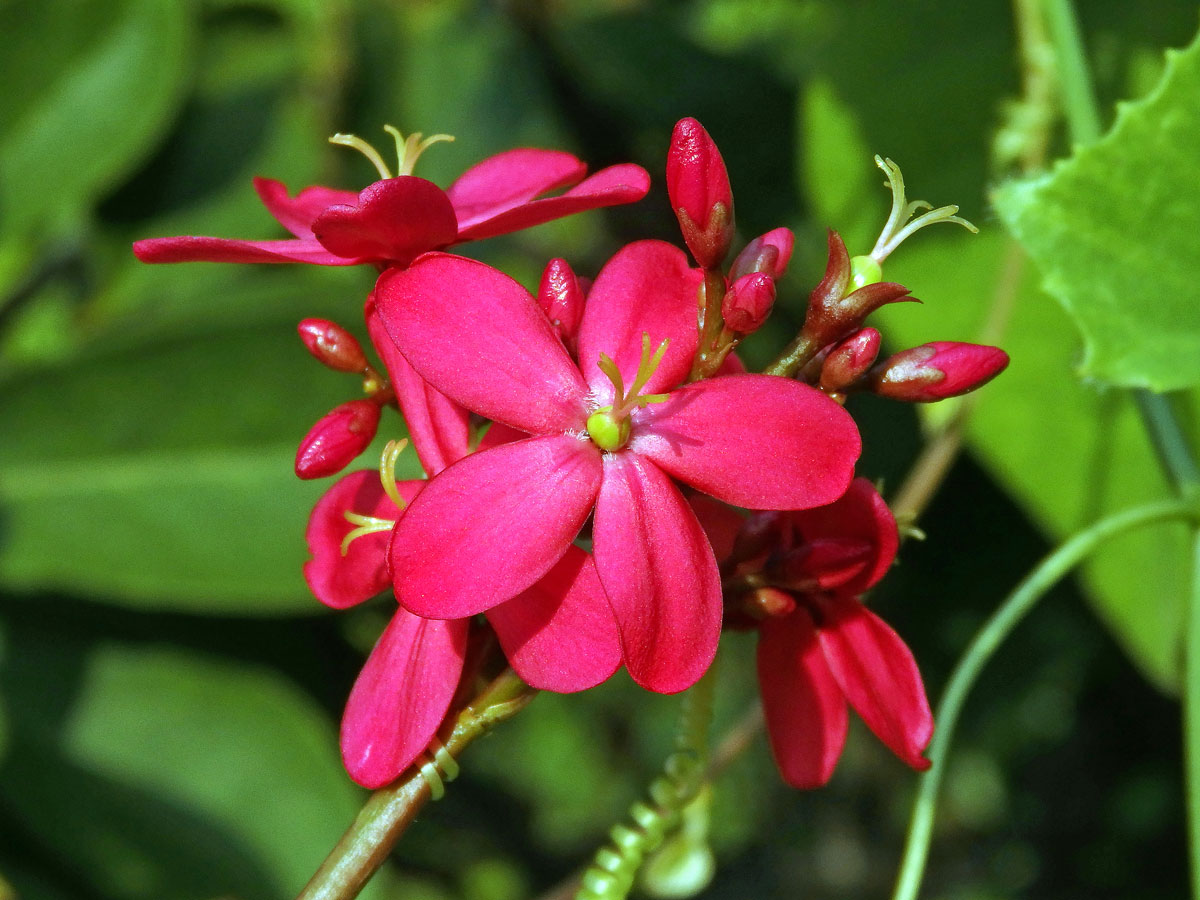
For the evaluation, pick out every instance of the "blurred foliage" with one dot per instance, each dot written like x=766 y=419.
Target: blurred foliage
x=169 y=693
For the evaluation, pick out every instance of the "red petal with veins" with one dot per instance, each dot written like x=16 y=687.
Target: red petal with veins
x=228 y=250
x=481 y=339
x=401 y=696
x=393 y=221
x=879 y=677
x=659 y=573
x=296 y=214
x=646 y=288
x=560 y=634
x=510 y=179
x=492 y=524
x=862 y=517
x=755 y=441
x=804 y=706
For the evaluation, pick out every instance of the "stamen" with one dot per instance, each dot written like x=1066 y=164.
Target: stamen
x=895 y=231
x=354 y=141
x=609 y=368
x=366 y=525
x=387 y=470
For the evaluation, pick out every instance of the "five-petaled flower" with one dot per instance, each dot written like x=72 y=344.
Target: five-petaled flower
x=819 y=647
x=609 y=432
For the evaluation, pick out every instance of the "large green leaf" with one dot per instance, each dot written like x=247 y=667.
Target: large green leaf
x=1114 y=229
x=1067 y=451
x=174 y=776
x=72 y=128
x=156 y=470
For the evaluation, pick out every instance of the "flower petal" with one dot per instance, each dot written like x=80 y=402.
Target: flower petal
x=646 y=288
x=659 y=573
x=860 y=516
x=756 y=441
x=480 y=338
x=879 y=677
x=296 y=214
x=394 y=221
x=191 y=248
x=341 y=581
x=804 y=706
x=560 y=634
x=492 y=524
x=401 y=696
x=613 y=186
x=440 y=429
x=510 y=179
x=721 y=524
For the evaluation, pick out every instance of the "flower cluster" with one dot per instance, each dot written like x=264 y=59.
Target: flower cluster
x=606 y=485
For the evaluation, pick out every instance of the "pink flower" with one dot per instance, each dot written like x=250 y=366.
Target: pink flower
x=558 y=634
x=819 y=648
x=394 y=220
x=604 y=437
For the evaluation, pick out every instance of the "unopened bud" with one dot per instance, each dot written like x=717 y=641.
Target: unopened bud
x=832 y=312
x=849 y=360
x=936 y=371
x=561 y=298
x=698 y=186
x=770 y=253
x=337 y=438
x=332 y=345
x=748 y=302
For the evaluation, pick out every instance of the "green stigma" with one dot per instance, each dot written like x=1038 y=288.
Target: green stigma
x=864 y=270
x=408 y=149
x=607 y=431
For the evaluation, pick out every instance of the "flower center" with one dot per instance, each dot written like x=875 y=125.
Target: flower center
x=609 y=426
x=408 y=149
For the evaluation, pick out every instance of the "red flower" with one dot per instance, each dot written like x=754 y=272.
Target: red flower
x=394 y=220
x=558 y=634
x=819 y=647
x=603 y=438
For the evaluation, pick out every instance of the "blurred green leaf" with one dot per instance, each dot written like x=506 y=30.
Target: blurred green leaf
x=1114 y=231
x=1067 y=451
x=156 y=470
x=176 y=776
x=76 y=131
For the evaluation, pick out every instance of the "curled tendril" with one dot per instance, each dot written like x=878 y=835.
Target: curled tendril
x=898 y=226
x=439 y=769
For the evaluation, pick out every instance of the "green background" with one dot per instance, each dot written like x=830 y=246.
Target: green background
x=170 y=692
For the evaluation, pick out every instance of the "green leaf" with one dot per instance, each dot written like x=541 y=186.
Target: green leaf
x=77 y=131
x=1114 y=231
x=156 y=471
x=1067 y=451
x=172 y=775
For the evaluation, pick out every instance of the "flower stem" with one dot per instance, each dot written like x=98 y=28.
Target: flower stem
x=390 y=810
x=1191 y=717
x=989 y=638
x=794 y=357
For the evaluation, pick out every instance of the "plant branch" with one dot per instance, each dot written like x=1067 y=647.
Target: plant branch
x=389 y=811
x=986 y=642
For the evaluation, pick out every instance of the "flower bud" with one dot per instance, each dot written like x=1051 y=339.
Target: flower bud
x=698 y=186
x=748 y=302
x=770 y=253
x=337 y=438
x=561 y=298
x=849 y=360
x=936 y=371
x=332 y=345
x=832 y=312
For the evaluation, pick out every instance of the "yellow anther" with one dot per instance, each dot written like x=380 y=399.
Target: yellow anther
x=408 y=149
x=366 y=525
x=354 y=141
x=387 y=470
x=898 y=226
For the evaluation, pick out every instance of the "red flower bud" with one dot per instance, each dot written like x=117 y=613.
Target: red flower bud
x=748 y=302
x=936 y=371
x=698 y=186
x=561 y=298
x=770 y=253
x=332 y=345
x=339 y=436
x=832 y=313
x=849 y=360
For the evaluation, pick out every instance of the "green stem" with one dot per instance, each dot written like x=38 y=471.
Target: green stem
x=1074 y=78
x=390 y=810
x=1191 y=718
x=990 y=637
x=794 y=357
x=1170 y=443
